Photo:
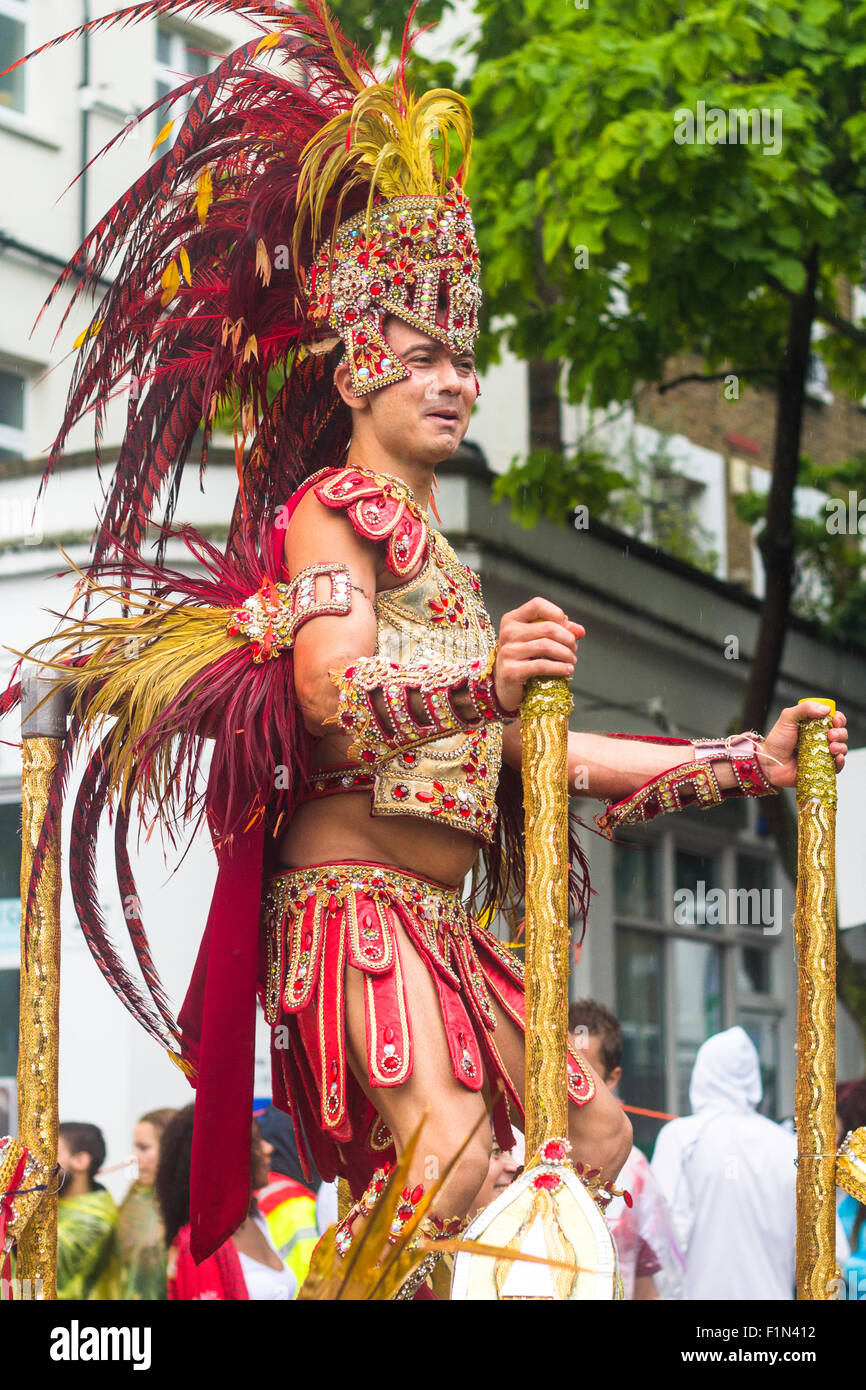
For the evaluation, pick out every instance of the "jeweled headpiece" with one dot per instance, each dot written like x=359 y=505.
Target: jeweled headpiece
x=412 y=252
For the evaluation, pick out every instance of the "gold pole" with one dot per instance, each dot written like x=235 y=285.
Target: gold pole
x=43 y=731
x=815 y=938
x=544 y=752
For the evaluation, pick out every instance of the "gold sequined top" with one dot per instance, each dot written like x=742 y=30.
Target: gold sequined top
x=435 y=615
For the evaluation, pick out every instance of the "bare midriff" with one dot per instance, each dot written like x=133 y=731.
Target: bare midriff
x=339 y=827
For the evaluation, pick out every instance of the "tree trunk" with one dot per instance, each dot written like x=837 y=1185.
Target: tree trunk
x=545 y=429
x=776 y=545
x=776 y=542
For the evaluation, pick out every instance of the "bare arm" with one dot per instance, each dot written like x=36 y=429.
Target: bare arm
x=610 y=769
x=318 y=535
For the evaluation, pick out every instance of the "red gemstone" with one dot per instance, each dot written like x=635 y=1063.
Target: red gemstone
x=554 y=1151
x=350 y=315
x=417 y=1194
x=547 y=1182
x=628 y=1199
x=389 y=1034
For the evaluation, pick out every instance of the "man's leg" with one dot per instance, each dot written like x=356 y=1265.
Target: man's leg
x=452 y=1111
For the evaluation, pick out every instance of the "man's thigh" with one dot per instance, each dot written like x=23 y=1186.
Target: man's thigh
x=450 y=1110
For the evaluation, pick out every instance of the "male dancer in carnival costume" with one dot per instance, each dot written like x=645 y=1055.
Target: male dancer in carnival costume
x=363 y=714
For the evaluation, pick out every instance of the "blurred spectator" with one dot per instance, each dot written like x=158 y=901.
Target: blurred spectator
x=505 y=1165
x=650 y=1260
x=851 y=1115
x=729 y=1177
x=287 y=1205
x=247 y=1265
x=278 y=1129
x=138 y=1265
x=86 y=1215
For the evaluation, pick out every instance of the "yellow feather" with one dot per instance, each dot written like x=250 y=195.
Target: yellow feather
x=394 y=144
x=138 y=665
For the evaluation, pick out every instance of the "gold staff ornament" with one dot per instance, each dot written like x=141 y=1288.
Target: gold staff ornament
x=549 y=1211
x=43 y=730
x=815 y=939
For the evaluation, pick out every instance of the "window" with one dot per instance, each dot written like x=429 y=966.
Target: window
x=178 y=56
x=13 y=45
x=12 y=415
x=698 y=920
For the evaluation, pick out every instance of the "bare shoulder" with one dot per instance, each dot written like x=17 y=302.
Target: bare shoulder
x=317 y=535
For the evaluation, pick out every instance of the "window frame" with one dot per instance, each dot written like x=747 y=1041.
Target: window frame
x=182 y=40
x=667 y=837
x=22 y=11
x=12 y=438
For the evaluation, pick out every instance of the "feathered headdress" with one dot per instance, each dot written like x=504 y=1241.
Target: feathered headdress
x=215 y=294
x=218 y=285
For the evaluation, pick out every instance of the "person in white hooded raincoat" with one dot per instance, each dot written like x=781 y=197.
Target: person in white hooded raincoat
x=729 y=1177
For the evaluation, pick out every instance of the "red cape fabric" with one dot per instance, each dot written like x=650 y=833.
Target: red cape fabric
x=218 y=1022
x=218 y=1278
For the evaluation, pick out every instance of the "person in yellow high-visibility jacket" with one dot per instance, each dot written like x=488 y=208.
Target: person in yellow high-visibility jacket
x=290 y=1211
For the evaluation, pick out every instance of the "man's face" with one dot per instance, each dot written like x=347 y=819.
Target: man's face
x=424 y=417
x=504 y=1167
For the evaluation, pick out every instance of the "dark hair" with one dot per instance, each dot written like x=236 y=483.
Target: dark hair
x=851 y=1104
x=157 y=1119
x=600 y=1021
x=851 y=1109
x=84 y=1139
x=172 y=1174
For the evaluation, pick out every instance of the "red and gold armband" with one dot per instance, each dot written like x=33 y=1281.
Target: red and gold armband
x=380 y=702
x=691 y=783
x=270 y=618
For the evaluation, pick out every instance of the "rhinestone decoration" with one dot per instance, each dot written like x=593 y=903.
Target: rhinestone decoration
x=416 y=247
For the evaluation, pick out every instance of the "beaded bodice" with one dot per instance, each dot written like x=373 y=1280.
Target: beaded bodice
x=436 y=615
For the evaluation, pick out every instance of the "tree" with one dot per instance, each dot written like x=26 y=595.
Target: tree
x=622 y=226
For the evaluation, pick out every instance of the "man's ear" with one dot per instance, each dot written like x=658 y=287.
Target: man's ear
x=343 y=383
x=612 y=1079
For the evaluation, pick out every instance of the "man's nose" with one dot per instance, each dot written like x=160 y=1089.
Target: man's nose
x=449 y=377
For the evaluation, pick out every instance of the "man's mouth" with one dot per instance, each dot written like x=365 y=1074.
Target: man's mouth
x=446 y=414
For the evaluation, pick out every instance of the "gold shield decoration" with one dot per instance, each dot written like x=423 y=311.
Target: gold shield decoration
x=547 y=1213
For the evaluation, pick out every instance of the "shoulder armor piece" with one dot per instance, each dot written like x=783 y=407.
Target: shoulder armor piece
x=380 y=508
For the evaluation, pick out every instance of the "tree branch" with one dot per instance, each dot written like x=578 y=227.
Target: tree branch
x=664 y=386
x=844 y=327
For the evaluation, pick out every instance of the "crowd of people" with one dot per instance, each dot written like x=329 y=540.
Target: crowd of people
x=712 y=1215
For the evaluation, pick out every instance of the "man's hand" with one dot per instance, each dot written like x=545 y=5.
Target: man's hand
x=537 y=639
x=781 y=742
